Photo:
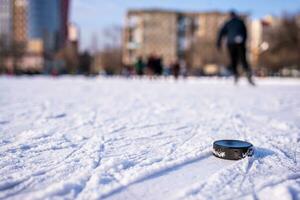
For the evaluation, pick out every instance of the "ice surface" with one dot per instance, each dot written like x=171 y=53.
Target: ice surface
x=115 y=138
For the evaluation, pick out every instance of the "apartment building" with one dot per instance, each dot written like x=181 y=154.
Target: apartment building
x=173 y=35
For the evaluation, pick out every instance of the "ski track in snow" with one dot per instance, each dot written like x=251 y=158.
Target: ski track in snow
x=114 y=138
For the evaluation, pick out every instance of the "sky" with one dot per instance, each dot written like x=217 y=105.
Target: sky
x=94 y=16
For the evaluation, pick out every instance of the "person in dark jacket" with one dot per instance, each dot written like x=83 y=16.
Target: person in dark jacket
x=139 y=66
x=151 y=65
x=236 y=33
x=176 y=69
x=158 y=65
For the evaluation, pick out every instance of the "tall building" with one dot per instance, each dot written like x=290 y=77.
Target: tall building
x=37 y=29
x=148 y=32
x=13 y=20
x=172 y=35
x=48 y=21
x=19 y=21
x=44 y=22
x=65 y=5
x=6 y=28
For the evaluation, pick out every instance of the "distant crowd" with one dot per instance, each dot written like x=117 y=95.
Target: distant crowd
x=153 y=66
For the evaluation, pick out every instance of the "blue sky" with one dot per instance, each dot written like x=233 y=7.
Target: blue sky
x=92 y=16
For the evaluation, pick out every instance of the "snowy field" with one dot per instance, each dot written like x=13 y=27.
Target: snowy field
x=113 y=138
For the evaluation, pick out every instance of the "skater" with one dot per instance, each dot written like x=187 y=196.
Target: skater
x=176 y=69
x=151 y=65
x=158 y=68
x=236 y=33
x=139 y=66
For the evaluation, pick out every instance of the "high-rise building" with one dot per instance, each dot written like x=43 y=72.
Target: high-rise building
x=19 y=21
x=65 y=5
x=44 y=22
x=6 y=28
x=13 y=20
x=48 y=21
x=36 y=28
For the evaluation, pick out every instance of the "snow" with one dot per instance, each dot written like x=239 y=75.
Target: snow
x=115 y=138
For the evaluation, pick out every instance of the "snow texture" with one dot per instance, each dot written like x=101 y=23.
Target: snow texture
x=115 y=138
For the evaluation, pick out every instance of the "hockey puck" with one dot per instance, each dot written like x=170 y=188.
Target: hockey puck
x=232 y=149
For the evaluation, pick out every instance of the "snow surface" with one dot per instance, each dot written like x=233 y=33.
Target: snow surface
x=114 y=138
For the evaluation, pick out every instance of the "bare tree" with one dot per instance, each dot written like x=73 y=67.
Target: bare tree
x=112 y=37
x=110 y=56
x=69 y=54
x=284 y=46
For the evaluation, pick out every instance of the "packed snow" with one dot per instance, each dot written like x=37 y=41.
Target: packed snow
x=117 y=138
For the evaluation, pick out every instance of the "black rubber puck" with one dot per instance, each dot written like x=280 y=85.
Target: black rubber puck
x=232 y=149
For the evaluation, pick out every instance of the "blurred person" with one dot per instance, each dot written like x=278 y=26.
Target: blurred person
x=167 y=70
x=183 y=68
x=236 y=33
x=176 y=69
x=85 y=61
x=126 y=71
x=151 y=64
x=139 y=66
x=158 y=68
